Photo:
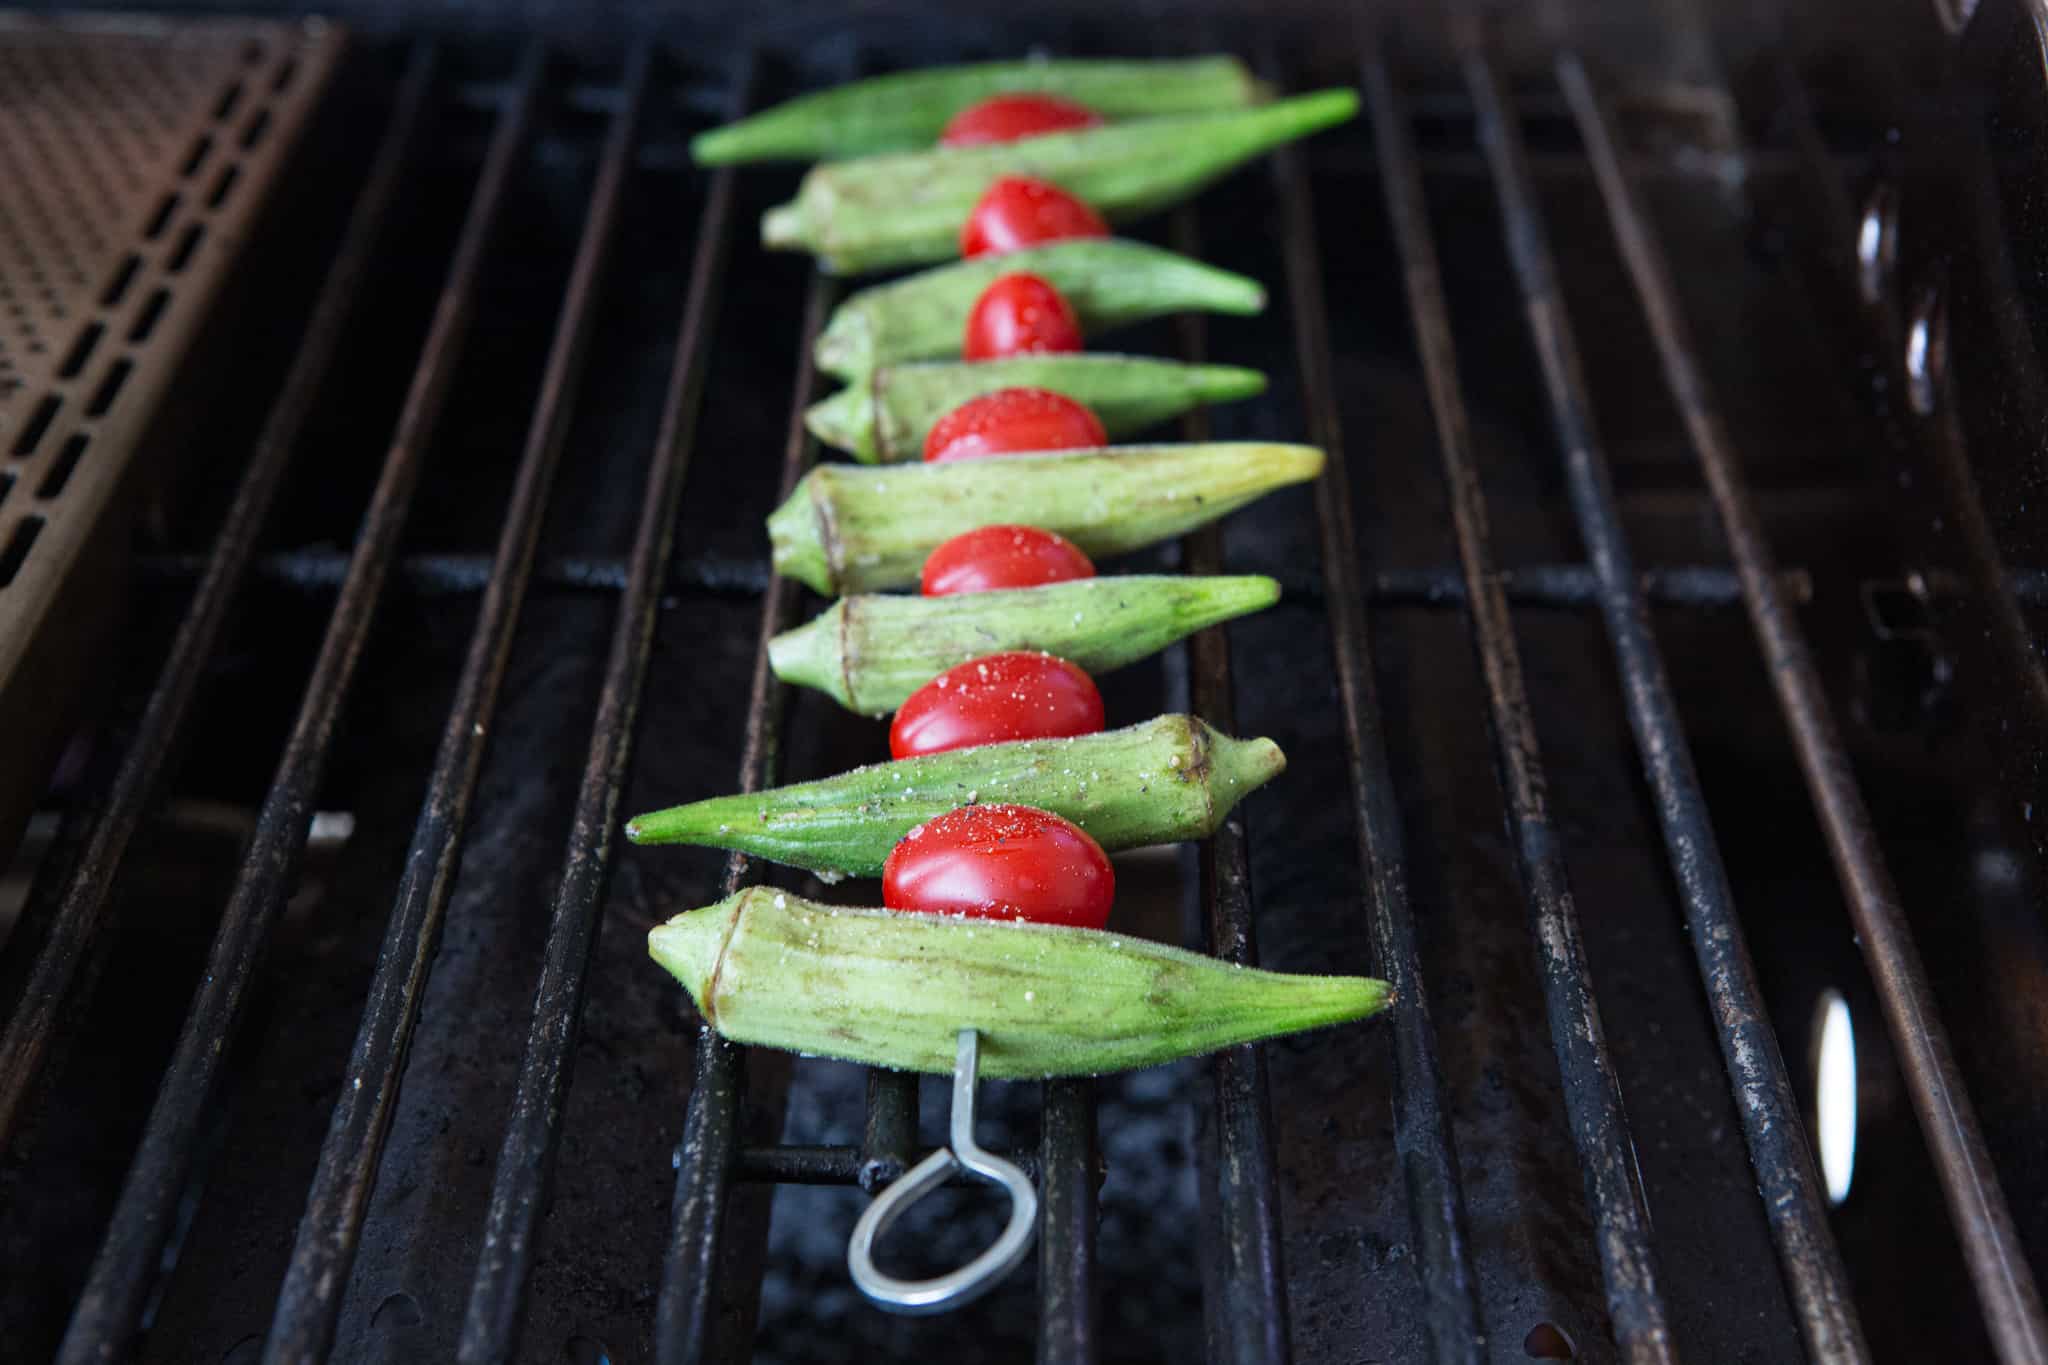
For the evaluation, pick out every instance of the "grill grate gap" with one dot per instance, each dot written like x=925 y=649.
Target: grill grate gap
x=25 y=532
x=67 y=459
x=117 y=288
x=146 y=320
x=187 y=244
x=110 y=387
x=44 y=413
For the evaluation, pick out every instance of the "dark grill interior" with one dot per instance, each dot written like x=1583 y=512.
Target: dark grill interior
x=501 y=308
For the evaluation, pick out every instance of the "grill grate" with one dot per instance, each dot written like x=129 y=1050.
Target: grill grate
x=1246 y=1305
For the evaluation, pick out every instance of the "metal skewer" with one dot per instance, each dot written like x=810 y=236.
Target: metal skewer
x=955 y=1287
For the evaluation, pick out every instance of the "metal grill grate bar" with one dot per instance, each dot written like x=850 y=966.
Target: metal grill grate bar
x=308 y=1303
x=526 y=1158
x=709 y=1155
x=1592 y=1093
x=109 y=1311
x=2005 y=1286
x=1429 y=1164
x=1553 y=586
x=1764 y=1097
x=83 y=911
x=1247 y=1321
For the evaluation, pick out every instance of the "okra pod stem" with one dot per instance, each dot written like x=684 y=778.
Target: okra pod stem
x=883 y=418
x=1109 y=283
x=907 y=209
x=891 y=989
x=870 y=652
x=850 y=529
x=909 y=109
x=1167 y=779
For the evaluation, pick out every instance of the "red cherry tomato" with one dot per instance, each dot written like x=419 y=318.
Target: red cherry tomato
x=1006 y=118
x=1012 y=422
x=1018 y=314
x=1003 y=557
x=994 y=699
x=1001 y=862
x=1017 y=211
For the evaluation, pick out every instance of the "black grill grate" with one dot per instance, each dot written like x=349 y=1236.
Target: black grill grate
x=1246 y=1299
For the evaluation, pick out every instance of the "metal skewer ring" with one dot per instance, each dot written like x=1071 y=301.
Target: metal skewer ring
x=978 y=1276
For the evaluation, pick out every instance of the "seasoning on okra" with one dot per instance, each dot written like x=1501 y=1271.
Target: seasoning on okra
x=773 y=969
x=870 y=652
x=883 y=417
x=1109 y=283
x=911 y=108
x=1169 y=778
x=907 y=209
x=851 y=529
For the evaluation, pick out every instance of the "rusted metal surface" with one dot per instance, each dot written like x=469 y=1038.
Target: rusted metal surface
x=1983 y=1224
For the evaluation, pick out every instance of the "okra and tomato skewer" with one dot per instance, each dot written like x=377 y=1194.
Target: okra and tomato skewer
x=990 y=859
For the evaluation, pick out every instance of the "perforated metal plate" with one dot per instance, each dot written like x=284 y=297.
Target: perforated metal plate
x=133 y=154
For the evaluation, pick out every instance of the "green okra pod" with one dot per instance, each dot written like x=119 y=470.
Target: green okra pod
x=892 y=989
x=911 y=108
x=1109 y=282
x=870 y=652
x=908 y=208
x=850 y=529
x=883 y=418
x=1167 y=779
